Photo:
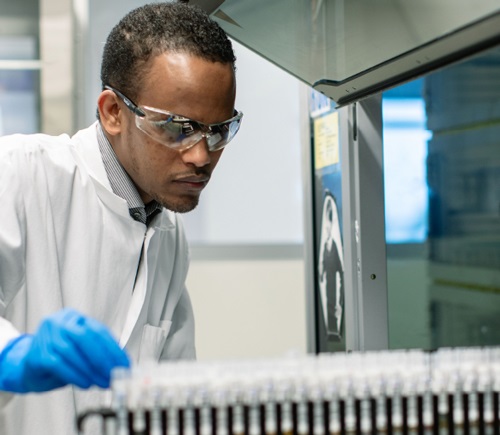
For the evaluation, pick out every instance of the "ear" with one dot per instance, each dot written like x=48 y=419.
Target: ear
x=110 y=112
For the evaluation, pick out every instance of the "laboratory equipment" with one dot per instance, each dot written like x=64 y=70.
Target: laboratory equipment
x=408 y=391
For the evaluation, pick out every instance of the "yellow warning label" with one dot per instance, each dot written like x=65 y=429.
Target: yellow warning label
x=326 y=140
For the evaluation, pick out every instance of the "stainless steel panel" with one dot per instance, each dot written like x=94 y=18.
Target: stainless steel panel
x=366 y=299
x=352 y=49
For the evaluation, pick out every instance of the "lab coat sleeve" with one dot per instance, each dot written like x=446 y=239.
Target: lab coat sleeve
x=180 y=340
x=12 y=234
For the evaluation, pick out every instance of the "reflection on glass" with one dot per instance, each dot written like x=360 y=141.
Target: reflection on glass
x=448 y=293
x=463 y=111
x=405 y=153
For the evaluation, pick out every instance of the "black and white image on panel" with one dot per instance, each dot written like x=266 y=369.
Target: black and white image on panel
x=331 y=268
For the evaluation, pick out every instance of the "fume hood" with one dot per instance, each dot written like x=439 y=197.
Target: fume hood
x=351 y=49
x=353 y=52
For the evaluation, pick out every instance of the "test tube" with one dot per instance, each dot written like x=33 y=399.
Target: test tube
x=170 y=399
x=236 y=378
x=156 y=424
x=253 y=417
x=350 y=409
x=173 y=420
x=267 y=397
x=283 y=394
x=271 y=418
x=334 y=415
x=365 y=414
x=119 y=385
x=220 y=401
x=203 y=404
x=238 y=419
x=302 y=418
x=189 y=422
x=318 y=410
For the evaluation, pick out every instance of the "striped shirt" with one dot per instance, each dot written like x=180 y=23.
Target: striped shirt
x=122 y=185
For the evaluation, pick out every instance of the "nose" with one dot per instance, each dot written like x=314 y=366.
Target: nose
x=197 y=155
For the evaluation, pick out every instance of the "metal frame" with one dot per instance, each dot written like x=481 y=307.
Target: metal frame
x=309 y=267
x=365 y=274
x=453 y=47
x=366 y=298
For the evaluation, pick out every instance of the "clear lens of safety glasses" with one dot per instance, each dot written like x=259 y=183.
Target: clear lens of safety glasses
x=181 y=133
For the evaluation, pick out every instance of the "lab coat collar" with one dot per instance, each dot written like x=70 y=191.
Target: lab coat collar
x=87 y=147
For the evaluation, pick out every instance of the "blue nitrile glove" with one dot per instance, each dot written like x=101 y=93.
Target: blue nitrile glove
x=68 y=348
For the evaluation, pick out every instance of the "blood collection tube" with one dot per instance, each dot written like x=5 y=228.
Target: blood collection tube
x=254 y=419
x=397 y=406
x=318 y=410
x=334 y=414
x=189 y=421
x=300 y=409
x=137 y=397
x=119 y=385
x=173 y=423
x=156 y=425
x=365 y=425
x=170 y=401
x=238 y=419
x=202 y=404
x=267 y=397
x=284 y=397
x=270 y=417
x=350 y=408
x=427 y=415
x=448 y=391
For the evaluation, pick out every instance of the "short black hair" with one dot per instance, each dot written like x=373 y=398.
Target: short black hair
x=156 y=28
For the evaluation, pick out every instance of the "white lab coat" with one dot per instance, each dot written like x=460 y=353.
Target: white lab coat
x=67 y=241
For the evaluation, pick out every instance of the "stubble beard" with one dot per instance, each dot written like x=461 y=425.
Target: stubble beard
x=179 y=206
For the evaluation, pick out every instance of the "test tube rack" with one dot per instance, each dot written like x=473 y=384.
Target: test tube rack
x=449 y=391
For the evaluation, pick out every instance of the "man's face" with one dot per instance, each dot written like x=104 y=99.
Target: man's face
x=185 y=85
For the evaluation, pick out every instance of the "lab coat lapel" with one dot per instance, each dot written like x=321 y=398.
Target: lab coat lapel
x=140 y=292
x=152 y=284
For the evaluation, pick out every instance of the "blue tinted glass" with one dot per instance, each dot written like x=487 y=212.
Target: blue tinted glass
x=19 y=101
x=405 y=153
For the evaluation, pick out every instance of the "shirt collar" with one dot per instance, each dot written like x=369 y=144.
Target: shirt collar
x=122 y=185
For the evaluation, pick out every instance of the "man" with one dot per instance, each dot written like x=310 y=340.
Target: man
x=93 y=257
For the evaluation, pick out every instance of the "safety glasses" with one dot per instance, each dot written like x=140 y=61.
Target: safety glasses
x=179 y=132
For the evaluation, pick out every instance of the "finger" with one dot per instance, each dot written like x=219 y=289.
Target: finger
x=99 y=337
x=78 y=326
x=96 y=346
x=55 y=348
x=100 y=332
x=47 y=368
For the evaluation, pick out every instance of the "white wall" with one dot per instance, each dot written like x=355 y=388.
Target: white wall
x=248 y=308
x=255 y=194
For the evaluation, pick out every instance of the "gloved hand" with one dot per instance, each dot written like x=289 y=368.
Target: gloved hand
x=68 y=348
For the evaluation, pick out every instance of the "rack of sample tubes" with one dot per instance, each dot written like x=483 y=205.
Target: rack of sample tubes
x=395 y=392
